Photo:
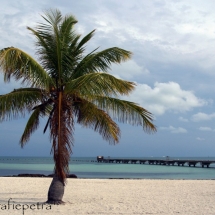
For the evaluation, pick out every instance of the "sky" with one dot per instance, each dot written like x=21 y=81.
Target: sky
x=173 y=66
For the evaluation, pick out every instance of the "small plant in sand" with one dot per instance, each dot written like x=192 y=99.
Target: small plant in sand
x=67 y=86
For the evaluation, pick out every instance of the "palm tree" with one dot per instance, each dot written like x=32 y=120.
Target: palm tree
x=67 y=87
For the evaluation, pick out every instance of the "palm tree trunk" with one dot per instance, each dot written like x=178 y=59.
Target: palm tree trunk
x=56 y=191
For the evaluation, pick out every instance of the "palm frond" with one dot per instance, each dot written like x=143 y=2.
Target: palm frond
x=74 y=54
x=18 y=64
x=47 y=51
x=19 y=101
x=66 y=33
x=49 y=32
x=85 y=40
x=49 y=119
x=54 y=18
x=90 y=116
x=126 y=112
x=31 y=126
x=54 y=44
x=99 y=84
x=101 y=61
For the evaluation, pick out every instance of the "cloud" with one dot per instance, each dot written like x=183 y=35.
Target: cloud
x=15 y=20
x=183 y=119
x=128 y=70
x=165 y=97
x=200 y=139
x=175 y=29
x=174 y=130
x=205 y=129
x=202 y=117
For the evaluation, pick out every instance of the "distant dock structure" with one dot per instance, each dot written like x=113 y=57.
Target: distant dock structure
x=167 y=161
x=100 y=158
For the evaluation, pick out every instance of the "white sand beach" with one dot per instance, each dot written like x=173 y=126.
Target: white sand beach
x=109 y=196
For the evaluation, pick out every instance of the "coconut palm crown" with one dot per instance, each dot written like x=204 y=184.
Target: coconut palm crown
x=67 y=86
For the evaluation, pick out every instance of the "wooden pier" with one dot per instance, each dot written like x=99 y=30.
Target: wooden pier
x=190 y=163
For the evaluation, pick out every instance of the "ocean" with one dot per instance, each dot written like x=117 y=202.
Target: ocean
x=88 y=167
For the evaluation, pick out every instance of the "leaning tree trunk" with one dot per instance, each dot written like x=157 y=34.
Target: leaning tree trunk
x=56 y=191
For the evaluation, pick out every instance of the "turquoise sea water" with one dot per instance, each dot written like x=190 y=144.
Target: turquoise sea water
x=89 y=168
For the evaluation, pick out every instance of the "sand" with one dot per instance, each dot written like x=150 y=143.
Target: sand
x=109 y=196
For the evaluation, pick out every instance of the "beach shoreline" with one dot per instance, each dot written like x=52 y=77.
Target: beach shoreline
x=110 y=196
x=75 y=177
